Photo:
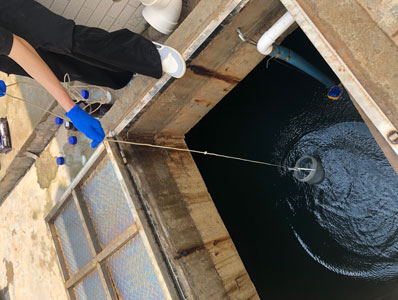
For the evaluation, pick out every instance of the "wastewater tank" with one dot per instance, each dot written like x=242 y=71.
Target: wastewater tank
x=337 y=239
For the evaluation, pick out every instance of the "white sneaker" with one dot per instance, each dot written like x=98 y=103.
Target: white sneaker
x=172 y=61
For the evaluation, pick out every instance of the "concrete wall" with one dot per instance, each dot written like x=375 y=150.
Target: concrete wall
x=31 y=129
x=28 y=261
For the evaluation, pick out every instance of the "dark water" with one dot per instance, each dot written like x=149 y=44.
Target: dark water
x=334 y=240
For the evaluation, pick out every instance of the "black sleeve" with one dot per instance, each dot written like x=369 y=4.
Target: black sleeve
x=6 y=40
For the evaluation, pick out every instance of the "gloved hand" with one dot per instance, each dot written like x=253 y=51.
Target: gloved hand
x=90 y=126
x=3 y=88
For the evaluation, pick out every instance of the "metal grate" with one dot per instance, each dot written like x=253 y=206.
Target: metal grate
x=133 y=273
x=73 y=238
x=91 y=288
x=106 y=202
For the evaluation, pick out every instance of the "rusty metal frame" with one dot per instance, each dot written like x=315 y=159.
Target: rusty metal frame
x=140 y=227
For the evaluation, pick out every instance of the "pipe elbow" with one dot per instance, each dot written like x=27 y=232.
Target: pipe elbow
x=264 y=45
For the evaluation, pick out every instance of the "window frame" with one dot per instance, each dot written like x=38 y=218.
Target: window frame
x=4 y=294
x=140 y=226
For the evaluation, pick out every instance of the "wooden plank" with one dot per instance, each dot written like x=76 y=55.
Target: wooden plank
x=125 y=16
x=215 y=71
x=191 y=230
x=106 y=282
x=116 y=9
x=81 y=274
x=99 y=13
x=214 y=234
x=61 y=203
x=61 y=261
x=179 y=238
x=84 y=14
x=86 y=221
x=73 y=8
x=72 y=294
x=187 y=38
x=141 y=220
x=106 y=23
x=58 y=207
x=381 y=141
x=384 y=13
x=58 y=6
x=46 y=3
x=353 y=51
x=118 y=243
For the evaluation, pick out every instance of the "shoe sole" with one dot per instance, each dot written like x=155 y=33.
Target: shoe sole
x=177 y=56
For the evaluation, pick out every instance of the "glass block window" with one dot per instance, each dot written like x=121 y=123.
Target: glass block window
x=106 y=202
x=104 y=245
x=90 y=288
x=74 y=243
x=133 y=272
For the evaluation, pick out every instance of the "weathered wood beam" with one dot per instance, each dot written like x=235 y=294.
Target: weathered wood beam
x=140 y=219
x=190 y=229
x=187 y=38
x=361 y=54
x=96 y=156
x=211 y=74
x=88 y=226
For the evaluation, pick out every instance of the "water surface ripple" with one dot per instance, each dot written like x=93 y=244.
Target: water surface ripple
x=349 y=222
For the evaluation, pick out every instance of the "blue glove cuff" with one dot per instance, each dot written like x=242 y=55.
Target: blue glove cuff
x=72 y=113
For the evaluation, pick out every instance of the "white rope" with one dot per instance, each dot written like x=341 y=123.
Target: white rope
x=74 y=93
x=76 y=96
x=209 y=153
x=37 y=106
x=72 y=90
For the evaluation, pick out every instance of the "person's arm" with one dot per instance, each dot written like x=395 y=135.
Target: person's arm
x=26 y=56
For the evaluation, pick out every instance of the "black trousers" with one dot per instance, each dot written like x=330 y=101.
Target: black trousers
x=97 y=57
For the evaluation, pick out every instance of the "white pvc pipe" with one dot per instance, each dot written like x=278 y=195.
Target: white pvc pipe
x=264 y=45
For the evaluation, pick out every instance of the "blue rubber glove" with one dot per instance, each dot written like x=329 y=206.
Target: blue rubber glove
x=90 y=126
x=3 y=88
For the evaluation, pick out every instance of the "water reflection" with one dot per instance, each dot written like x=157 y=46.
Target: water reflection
x=349 y=222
